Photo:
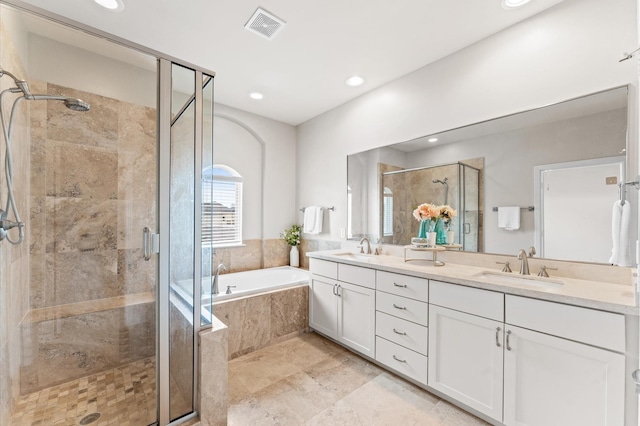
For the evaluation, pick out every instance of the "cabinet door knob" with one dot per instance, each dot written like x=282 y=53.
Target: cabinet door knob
x=335 y=292
x=497 y=336
x=400 y=285
x=398 y=359
x=399 y=307
x=402 y=333
x=507 y=341
x=338 y=290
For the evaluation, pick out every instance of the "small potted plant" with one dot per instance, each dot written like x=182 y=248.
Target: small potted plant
x=292 y=237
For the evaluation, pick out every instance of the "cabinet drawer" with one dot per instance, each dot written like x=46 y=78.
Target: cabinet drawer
x=356 y=275
x=597 y=328
x=324 y=268
x=408 y=309
x=402 y=360
x=483 y=303
x=408 y=334
x=403 y=285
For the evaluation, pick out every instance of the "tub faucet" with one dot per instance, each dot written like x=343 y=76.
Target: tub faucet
x=524 y=262
x=215 y=289
x=368 y=245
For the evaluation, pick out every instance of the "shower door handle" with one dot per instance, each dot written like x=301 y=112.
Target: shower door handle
x=150 y=243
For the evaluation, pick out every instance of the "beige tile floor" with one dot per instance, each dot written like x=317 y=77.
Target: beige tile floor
x=310 y=380
x=124 y=396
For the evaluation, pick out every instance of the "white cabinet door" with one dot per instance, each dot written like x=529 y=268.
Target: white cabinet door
x=356 y=317
x=553 y=381
x=466 y=359
x=323 y=306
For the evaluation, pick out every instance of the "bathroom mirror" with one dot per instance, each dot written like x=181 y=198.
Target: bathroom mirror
x=497 y=163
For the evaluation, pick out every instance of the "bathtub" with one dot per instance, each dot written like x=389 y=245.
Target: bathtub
x=254 y=282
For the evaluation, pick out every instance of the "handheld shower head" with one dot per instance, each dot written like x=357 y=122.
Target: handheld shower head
x=444 y=181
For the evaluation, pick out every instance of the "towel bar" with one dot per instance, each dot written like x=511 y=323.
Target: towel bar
x=332 y=208
x=529 y=208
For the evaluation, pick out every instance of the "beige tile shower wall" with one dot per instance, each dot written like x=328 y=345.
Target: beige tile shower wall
x=93 y=189
x=258 y=321
x=14 y=260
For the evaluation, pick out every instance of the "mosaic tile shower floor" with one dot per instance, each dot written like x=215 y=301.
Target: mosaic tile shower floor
x=124 y=396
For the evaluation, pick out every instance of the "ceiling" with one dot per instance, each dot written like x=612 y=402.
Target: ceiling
x=302 y=70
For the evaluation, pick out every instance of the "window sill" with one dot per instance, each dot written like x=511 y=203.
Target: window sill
x=220 y=246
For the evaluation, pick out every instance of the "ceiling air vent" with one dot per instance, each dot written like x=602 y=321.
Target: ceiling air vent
x=264 y=24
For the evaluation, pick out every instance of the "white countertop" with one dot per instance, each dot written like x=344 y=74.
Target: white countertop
x=612 y=297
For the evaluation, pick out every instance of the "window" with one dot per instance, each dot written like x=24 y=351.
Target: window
x=222 y=206
x=387 y=216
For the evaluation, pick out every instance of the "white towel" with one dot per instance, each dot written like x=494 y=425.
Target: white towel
x=509 y=218
x=621 y=216
x=312 y=220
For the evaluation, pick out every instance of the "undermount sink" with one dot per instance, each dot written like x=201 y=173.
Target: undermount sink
x=356 y=256
x=527 y=280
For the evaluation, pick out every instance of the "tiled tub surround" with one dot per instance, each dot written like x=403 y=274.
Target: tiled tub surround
x=261 y=320
x=587 y=328
x=92 y=191
x=253 y=254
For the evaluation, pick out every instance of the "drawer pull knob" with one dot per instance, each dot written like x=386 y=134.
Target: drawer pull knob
x=507 y=341
x=402 y=333
x=497 y=334
x=398 y=359
x=400 y=307
x=400 y=285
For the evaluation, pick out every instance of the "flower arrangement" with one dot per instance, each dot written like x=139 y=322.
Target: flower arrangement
x=292 y=235
x=426 y=211
x=432 y=212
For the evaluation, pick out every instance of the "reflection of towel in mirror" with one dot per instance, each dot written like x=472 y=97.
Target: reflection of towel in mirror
x=312 y=220
x=509 y=218
x=621 y=216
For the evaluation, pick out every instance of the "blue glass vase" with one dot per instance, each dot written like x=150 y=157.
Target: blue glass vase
x=441 y=234
x=423 y=229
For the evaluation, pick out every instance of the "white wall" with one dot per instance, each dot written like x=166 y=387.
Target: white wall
x=568 y=51
x=280 y=209
x=92 y=72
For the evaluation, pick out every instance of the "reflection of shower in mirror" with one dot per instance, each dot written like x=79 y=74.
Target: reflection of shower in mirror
x=21 y=88
x=446 y=187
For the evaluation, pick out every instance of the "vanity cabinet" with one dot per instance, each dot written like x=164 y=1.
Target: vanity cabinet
x=538 y=363
x=555 y=380
x=342 y=304
x=401 y=324
x=466 y=338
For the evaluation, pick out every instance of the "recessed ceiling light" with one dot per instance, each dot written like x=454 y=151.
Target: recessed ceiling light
x=256 y=95
x=432 y=140
x=354 y=81
x=510 y=4
x=113 y=5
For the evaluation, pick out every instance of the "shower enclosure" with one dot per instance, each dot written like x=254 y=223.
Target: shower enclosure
x=456 y=184
x=105 y=150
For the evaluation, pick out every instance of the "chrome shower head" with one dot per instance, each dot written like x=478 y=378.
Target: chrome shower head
x=77 y=104
x=71 y=103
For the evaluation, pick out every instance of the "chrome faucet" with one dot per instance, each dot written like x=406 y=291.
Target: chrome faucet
x=524 y=262
x=215 y=289
x=368 y=245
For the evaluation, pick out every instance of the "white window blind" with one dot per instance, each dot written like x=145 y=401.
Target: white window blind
x=222 y=207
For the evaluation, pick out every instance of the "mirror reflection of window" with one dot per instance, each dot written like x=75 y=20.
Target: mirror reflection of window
x=387 y=206
x=222 y=204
